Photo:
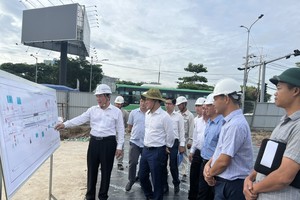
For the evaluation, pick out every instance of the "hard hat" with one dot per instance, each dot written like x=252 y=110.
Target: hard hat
x=209 y=99
x=227 y=86
x=180 y=100
x=119 y=99
x=102 y=89
x=200 y=101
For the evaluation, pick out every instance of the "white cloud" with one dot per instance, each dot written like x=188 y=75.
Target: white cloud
x=139 y=37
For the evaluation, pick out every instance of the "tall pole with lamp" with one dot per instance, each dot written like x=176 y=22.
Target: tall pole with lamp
x=247 y=60
x=36 y=71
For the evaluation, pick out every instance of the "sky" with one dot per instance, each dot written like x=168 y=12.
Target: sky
x=142 y=39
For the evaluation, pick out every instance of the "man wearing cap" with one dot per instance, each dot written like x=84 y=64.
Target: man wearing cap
x=159 y=136
x=136 y=128
x=211 y=137
x=178 y=146
x=107 y=138
x=276 y=185
x=119 y=102
x=181 y=103
x=232 y=160
x=198 y=139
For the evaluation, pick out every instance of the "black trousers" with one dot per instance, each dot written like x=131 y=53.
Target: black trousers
x=195 y=175
x=101 y=151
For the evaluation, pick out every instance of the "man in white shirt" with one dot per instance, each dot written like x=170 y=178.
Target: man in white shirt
x=188 y=117
x=178 y=146
x=194 y=156
x=119 y=102
x=158 y=137
x=106 y=123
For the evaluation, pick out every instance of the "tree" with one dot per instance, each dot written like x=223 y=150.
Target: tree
x=129 y=83
x=194 y=82
x=76 y=69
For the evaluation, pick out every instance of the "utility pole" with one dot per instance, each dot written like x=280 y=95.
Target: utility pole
x=264 y=63
x=247 y=60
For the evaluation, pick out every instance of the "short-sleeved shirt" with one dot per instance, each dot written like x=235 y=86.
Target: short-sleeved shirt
x=235 y=141
x=288 y=131
x=211 y=137
x=137 y=120
x=188 y=118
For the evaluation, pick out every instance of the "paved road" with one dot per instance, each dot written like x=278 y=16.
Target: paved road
x=119 y=180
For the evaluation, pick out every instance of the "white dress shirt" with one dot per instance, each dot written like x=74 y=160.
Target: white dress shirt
x=198 y=135
x=103 y=123
x=178 y=127
x=158 y=129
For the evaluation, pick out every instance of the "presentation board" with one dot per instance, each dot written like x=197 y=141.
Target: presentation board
x=28 y=114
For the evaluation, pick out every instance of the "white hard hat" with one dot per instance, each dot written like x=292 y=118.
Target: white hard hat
x=102 y=89
x=180 y=100
x=209 y=99
x=119 y=99
x=200 y=101
x=227 y=86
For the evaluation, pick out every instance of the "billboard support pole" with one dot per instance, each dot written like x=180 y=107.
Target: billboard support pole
x=63 y=63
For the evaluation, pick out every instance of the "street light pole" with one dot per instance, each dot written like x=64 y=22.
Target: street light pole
x=91 y=74
x=247 y=61
x=36 y=71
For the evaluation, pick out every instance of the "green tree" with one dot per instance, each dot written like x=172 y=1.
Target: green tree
x=195 y=81
x=129 y=83
x=76 y=69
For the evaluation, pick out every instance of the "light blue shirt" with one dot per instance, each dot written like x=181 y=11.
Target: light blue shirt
x=235 y=141
x=211 y=137
x=137 y=120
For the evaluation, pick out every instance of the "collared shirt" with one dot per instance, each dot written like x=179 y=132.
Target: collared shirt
x=287 y=131
x=235 y=141
x=158 y=129
x=188 y=118
x=198 y=135
x=178 y=127
x=103 y=123
x=137 y=120
x=211 y=137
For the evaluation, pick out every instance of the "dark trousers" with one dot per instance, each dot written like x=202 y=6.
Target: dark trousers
x=229 y=190
x=205 y=191
x=152 y=161
x=173 y=165
x=195 y=175
x=134 y=154
x=101 y=151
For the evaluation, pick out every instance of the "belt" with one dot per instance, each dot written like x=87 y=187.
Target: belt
x=225 y=180
x=153 y=148
x=112 y=137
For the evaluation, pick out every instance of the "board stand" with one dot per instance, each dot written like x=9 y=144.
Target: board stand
x=50 y=179
x=51 y=196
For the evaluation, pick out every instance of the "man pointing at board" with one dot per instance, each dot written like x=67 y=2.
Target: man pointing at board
x=106 y=121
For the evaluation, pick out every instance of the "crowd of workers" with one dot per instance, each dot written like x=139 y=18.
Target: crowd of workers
x=215 y=146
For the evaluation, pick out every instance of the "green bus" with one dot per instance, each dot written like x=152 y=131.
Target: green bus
x=132 y=93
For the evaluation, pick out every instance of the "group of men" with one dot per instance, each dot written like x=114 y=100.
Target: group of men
x=219 y=142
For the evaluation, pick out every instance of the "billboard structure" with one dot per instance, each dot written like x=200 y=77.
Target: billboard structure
x=62 y=28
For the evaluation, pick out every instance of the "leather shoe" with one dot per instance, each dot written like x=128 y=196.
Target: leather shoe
x=176 y=189
x=184 y=178
x=120 y=167
x=129 y=186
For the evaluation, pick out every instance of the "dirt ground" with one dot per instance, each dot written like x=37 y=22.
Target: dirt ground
x=69 y=169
